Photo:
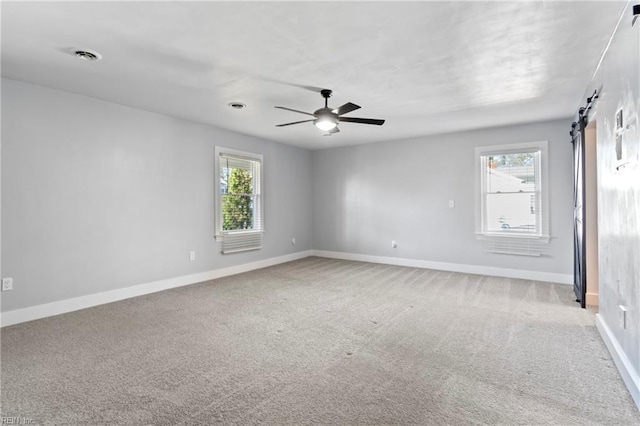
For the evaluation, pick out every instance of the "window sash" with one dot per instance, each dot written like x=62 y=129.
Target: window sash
x=489 y=196
x=228 y=162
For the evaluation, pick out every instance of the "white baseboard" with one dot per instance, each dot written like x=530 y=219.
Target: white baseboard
x=69 y=305
x=629 y=375
x=63 y=306
x=452 y=267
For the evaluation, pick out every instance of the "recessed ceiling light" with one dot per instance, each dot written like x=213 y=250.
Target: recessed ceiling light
x=87 y=55
x=237 y=105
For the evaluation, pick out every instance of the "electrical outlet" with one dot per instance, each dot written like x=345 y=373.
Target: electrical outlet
x=623 y=316
x=394 y=244
x=7 y=284
x=192 y=256
x=293 y=241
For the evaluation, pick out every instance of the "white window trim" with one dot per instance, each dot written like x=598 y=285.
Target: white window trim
x=543 y=237
x=219 y=233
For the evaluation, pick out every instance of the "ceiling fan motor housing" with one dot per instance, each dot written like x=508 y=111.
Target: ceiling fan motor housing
x=325 y=112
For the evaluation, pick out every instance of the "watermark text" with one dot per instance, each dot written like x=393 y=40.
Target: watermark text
x=16 y=420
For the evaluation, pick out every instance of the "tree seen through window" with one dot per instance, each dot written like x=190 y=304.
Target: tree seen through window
x=237 y=199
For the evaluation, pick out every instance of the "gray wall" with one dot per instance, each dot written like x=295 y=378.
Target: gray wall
x=98 y=196
x=619 y=189
x=365 y=196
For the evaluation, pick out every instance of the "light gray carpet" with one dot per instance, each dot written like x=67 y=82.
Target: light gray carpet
x=320 y=341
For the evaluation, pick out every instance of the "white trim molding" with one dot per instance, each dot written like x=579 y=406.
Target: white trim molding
x=69 y=305
x=452 y=267
x=629 y=375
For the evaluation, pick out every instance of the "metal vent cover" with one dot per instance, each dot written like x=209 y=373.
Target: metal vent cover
x=87 y=55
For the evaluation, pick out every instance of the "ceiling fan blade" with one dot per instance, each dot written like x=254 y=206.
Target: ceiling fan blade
x=274 y=80
x=295 y=110
x=362 y=120
x=295 y=122
x=348 y=107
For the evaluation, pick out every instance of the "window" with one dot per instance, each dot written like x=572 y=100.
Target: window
x=512 y=208
x=239 y=214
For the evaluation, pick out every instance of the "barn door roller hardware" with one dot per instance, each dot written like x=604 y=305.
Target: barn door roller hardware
x=583 y=111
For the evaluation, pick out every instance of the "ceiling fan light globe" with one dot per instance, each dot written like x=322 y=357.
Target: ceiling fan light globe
x=325 y=123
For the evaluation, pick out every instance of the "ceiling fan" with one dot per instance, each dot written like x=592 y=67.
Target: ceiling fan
x=327 y=119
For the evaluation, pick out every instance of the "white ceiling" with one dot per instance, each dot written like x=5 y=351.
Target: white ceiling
x=425 y=67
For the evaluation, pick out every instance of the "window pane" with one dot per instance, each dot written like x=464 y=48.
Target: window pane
x=510 y=197
x=235 y=181
x=514 y=212
x=511 y=173
x=237 y=212
x=224 y=172
x=236 y=187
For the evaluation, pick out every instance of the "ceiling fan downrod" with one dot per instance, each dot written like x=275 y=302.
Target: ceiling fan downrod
x=326 y=94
